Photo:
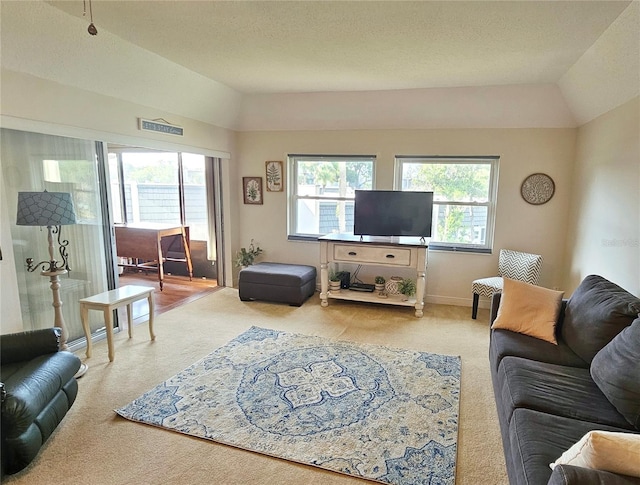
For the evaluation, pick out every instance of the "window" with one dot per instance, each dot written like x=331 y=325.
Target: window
x=162 y=187
x=464 y=193
x=151 y=187
x=322 y=192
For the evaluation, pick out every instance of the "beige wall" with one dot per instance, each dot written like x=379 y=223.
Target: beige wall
x=538 y=229
x=74 y=112
x=604 y=226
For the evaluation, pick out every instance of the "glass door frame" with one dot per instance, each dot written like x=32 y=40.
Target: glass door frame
x=212 y=233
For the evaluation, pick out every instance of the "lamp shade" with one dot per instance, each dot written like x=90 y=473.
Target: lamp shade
x=45 y=209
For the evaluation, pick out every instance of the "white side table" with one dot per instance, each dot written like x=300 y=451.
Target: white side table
x=109 y=301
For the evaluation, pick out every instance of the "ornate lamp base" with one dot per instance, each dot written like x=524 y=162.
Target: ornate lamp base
x=82 y=370
x=54 y=277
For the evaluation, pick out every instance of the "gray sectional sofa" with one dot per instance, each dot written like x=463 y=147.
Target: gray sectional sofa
x=549 y=396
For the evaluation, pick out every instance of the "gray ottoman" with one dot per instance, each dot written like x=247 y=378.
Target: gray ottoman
x=279 y=282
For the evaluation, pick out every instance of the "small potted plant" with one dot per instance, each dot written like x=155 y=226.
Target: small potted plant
x=335 y=280
x=246 y=257
x=379 y=283
x=407 y=288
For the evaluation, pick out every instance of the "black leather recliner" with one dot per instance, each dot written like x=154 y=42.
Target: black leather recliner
x=38 y=387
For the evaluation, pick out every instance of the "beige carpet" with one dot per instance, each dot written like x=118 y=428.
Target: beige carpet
x=95 y=446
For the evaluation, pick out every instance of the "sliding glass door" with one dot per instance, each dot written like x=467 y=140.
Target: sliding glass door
x=107 y=186
x=33 y=162
x=151 y=186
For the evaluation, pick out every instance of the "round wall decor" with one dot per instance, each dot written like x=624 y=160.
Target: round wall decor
x=537 y=188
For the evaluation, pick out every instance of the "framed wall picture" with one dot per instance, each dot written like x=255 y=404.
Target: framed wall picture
x=252 y=190
x=274 y=176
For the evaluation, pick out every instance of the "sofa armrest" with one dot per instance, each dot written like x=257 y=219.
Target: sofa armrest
x=575 y=475
x=22 y=346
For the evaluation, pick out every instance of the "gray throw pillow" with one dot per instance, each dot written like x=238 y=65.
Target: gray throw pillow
x=596 y=312
x=616 y=371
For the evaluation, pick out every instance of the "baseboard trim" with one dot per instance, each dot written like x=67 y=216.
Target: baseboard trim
x=455 y=301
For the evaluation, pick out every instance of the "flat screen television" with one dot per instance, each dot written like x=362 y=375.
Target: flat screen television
x=392 y=213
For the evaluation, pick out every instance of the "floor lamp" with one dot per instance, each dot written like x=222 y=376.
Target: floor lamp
x=53 y=210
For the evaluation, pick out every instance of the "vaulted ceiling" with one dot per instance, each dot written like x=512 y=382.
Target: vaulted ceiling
x=284 y=47
x=270 y=50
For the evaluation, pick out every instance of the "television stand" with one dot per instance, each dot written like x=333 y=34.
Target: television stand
x=390 y=252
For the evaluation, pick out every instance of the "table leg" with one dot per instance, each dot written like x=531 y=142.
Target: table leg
x=84 y=317
x=324 y=284
x=187 y=254
x=151 y=312
x=130 y=319
x=108 y=320
x=160 y=261
x=420 y=287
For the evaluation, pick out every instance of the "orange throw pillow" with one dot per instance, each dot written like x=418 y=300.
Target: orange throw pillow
x=529 y=309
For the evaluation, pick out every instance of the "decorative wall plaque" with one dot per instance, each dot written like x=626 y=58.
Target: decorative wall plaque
x=252 y=189
x=537 y=188
x=160 y=126
x=274 y=176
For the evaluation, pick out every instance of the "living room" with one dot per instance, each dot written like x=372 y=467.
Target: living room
x=581 y=128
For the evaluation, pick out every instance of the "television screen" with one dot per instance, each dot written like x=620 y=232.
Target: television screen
x=392 y=213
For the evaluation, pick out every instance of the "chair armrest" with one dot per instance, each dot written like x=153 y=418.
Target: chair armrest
x=19 y=347
x=575 y=475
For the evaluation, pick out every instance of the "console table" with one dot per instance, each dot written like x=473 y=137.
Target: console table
x=392 y=252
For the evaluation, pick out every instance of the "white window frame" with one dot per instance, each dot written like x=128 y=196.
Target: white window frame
x=487 y=247
x=292 y=188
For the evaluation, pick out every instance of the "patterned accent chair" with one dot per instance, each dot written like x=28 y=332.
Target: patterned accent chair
x=512 y=264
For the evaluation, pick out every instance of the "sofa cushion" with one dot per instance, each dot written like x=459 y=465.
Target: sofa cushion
x=596 y=312
x=605 y=450
x=506 y=342
x=537 y=439
x=616 y=371
x=554 y=389
x=529 y=309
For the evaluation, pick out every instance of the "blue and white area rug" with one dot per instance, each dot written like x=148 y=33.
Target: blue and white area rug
x=374 y=412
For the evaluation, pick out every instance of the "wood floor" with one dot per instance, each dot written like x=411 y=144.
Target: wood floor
x=177 y=290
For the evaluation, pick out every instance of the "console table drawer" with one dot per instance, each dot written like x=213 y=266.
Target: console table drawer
x=372 y=254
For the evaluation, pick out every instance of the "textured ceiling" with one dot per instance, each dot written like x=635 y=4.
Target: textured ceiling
x=308 y=46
